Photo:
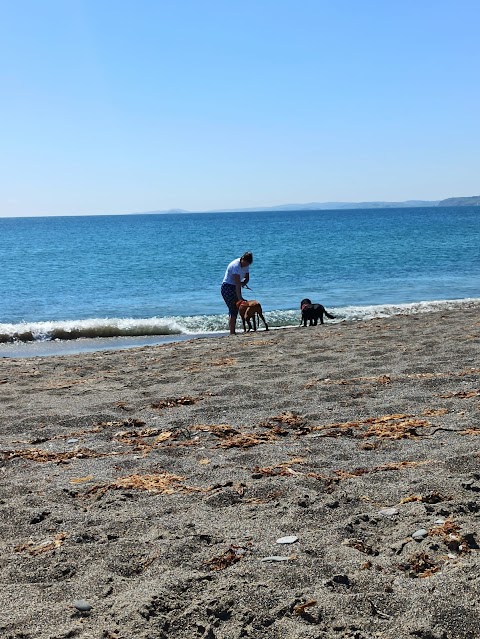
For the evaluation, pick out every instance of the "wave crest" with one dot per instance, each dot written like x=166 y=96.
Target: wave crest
x=203 y=324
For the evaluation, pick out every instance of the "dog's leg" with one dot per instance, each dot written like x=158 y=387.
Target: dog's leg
x=260 y=315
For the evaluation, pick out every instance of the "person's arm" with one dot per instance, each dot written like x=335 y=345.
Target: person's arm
x=238 y=286
x=246 y=279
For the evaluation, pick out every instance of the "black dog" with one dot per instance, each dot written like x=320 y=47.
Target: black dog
x=313 y=312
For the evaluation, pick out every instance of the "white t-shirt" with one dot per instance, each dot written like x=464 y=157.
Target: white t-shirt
x=234 y=268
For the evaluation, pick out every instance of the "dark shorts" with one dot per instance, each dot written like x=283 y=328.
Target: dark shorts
x=229 y=294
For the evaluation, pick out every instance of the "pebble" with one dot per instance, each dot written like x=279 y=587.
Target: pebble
x=275 y=558
x=82 y=606
x=439 y=521
x=418 y=535
x=290 y=539
x=72 y=440
x=388 y=512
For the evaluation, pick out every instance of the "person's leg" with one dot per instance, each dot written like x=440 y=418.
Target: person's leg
x=229 y=294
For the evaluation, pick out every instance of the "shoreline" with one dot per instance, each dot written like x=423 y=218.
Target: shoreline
x=155 y=482
x=123 y=340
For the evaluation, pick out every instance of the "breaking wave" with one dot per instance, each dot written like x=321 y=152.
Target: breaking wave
x=202 y=324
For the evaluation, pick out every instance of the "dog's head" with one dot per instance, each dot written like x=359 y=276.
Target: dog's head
x=305 y=302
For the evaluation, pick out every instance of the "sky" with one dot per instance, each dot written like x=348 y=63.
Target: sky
x=115 y=106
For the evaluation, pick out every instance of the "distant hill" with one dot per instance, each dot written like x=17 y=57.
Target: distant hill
x=324 y=206
x=461 y=201
x=329 y=206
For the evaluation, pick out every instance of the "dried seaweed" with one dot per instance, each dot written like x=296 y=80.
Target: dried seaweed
x=246 y=440
x=396 y=426
x=474 y=430
x=227 y=558
x=38 y=455
x=360 y=545
x=431 y=498
x=396 y=429
x=163 y=483
x=44 y=546
x=420 y=565
x=282 y=469
x=451 y=536
x=462 y=394
x=288 y=419
x=301 y=610
x=173 y=402
x=219 y=430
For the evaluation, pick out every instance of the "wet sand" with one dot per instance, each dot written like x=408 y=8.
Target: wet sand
x=154 y=482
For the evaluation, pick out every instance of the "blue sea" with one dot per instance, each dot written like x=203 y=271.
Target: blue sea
x=86 y=283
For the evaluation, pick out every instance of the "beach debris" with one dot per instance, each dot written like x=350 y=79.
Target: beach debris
x=234 y=438
x=172 y=402
x=227 y=558
x=163 y=483
x=288 y=419
x=289 y=539
x=474 y=430
x=219 y=430
x=44 y=546
x=281 y=469
x=278 y=558
x=136 y=438
x=246 y=440
x=376 y=611
x=462 y=394
x=388 y=512
x=395 y=426
x=451 y=536
x=38 y=455
x=301 y=610
x=359 y=545
x=81 y=480
x=435 y=412
x=420 y=535
x=82 y=606
x=419 y=565
x=431 y=498
x=275 y=494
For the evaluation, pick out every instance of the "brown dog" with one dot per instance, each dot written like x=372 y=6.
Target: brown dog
x=248 y=309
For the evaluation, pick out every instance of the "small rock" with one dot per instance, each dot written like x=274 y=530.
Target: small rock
x=419 y=535
x=388 y=512
x=439 y=522
x=275 y=558
x=72 y=440
x=82 y=606
x=290 y=539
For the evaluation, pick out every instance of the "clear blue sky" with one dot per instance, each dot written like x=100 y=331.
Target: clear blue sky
x=113 y=106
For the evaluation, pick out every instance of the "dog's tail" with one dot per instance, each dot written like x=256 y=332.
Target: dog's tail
x=329 y=315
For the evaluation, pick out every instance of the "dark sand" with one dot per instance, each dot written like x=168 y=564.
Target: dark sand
x=152 y=482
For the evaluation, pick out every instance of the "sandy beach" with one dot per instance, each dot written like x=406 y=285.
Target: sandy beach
x=154 y=483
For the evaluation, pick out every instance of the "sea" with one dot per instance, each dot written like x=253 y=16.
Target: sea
x=72 y=284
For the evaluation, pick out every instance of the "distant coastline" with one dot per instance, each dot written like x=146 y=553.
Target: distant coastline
x=308 y=206
x=329 y=206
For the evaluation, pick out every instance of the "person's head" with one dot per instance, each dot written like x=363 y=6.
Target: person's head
x=246 y=259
